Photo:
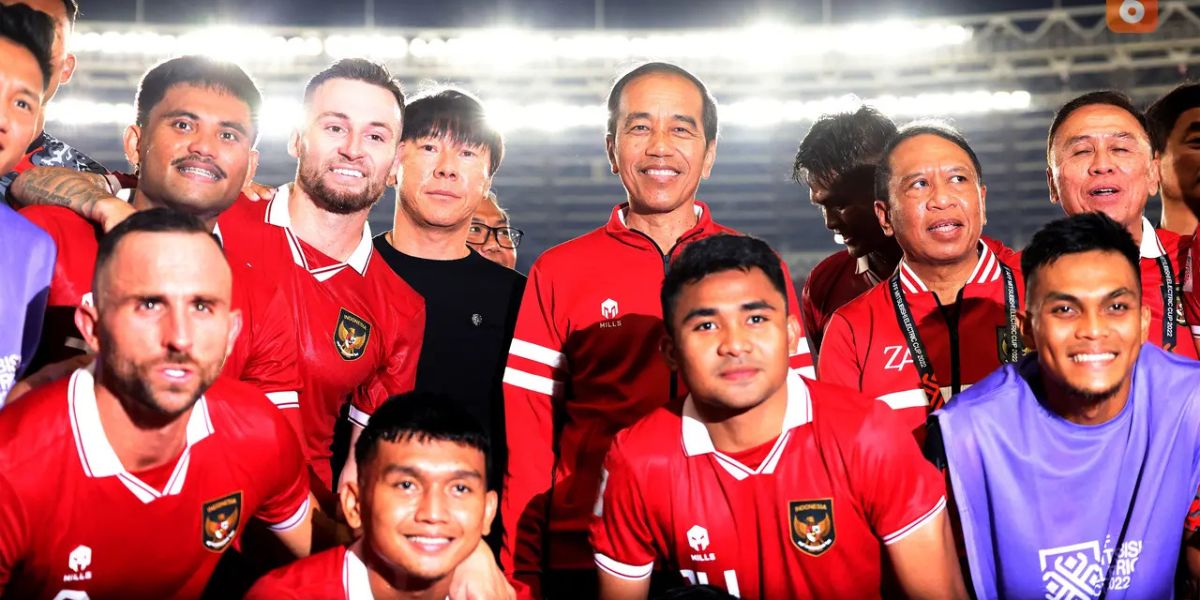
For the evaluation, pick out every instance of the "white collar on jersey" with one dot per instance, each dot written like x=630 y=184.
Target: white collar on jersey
x=356 y=582
x=278 y=215
x=621 y=213
x=1151 y=246
x=96 y=454
x=696 y=440
x=987 y=269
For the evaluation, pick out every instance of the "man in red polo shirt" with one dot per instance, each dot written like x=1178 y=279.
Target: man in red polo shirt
x=764 y=483
x=584 y=360
x=837 y=162
x=146 y=456
x=1100 y=159
x=948 y=316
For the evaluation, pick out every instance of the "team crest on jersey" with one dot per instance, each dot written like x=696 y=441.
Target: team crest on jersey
x=220 y=519
x=350 y=335
x=812 y=525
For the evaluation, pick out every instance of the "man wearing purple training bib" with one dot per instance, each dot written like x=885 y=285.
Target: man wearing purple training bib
x=1074 y=469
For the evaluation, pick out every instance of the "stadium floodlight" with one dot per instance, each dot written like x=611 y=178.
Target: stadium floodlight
x=239 y=44
x=86 y=112
x=379 y=46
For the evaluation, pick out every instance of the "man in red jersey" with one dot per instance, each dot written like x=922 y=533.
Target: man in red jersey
x=193 y=149
x=764 y=483
x=146 y=455
x=948 y=316
x=421 y=500
x=1100 y=159
x=837 y=162
x=584 y=360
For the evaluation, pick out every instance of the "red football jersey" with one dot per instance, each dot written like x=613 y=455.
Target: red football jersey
x=585 y=359
x=807 y=521
x=265 y=353
x=359 y=325
x=1156 y=243
x=835 y=281
x=75 y=524
x=866 y=350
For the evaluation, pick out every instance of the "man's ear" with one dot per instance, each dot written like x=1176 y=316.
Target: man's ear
x=1026 y=327
x=294 y=144
x=983 y=204
x=885 y=218
x=235 y=327
x=250 y=172
x=489 y=511
x=1054 y=199
x=667 y=347
x=610 y=148
x=67 y=71
x=710 y=157
x=351 y=504
x=795 y=333
x=87 y=321
x=1146 y=320
x=132 y=141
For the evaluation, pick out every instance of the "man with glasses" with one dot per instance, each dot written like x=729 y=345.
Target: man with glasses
x=449 y=154
x=490 y=234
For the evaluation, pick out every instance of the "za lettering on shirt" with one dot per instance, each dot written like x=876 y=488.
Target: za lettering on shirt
x=75 y=523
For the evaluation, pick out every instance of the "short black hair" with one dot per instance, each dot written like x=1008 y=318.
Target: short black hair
x=152 y=220
x=1162 y=115
x=358 y=69
x=1109 y=97
x=200 y=71
x=841 y=143
x=883 y=173
x=1081 y=233
x=716 y=254
x=30 y=29
x=456 y=115
x=421 y=417
x=708 y=115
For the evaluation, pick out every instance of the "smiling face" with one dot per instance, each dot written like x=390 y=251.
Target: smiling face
x=935 y=207
x=1087 y=323
x=21 y=91
x=659 y=149
x=195 y=152
x=423 y=506
x=730 y=339
x=347 y=149
x=1101 y=161
x=1180 y=166
x=162 y=324
x=62 y=62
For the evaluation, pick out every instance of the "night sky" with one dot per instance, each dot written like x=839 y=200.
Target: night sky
x=541 y=13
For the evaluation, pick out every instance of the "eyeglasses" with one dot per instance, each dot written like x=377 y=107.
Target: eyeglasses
x=507 y=237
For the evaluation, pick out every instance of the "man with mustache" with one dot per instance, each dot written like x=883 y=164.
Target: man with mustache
x=947 y=317
x=1100 y=159
x=146 y=455
x=584 y=360
x=192 y=148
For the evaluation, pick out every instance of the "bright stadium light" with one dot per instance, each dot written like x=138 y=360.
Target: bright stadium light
x=371 y=46
x=86 y=112
x=240 y=44
x=279 y=117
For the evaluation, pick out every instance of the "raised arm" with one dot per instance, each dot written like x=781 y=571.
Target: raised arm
x=91 y=195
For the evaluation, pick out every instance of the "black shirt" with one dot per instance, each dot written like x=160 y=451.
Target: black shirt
x=470 y=312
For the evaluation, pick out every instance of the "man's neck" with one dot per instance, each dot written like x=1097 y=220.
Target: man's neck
x=141 y=201
x=1084 y=411
x=733 y=432
x=334 y=235
x=1178 y=218
x=882 y=261
x=664 y=228
x=945 y=280
x=388 y=584
x=140 y=444
x=428 y=242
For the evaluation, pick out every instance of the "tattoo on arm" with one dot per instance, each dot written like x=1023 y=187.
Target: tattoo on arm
x=60 y=186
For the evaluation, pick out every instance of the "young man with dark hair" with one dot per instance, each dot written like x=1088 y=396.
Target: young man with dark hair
x=26 y=252
x=584 y=360
x=449 y=154
x=193 y=150
x=421 y=499
x=947 y=317
x=491 y=233
x=837 y=160
x=146 y=454
x=764 y=483
x=46 y=150
x=1100 y=158
x=1075 y=468
x=1174 y=122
